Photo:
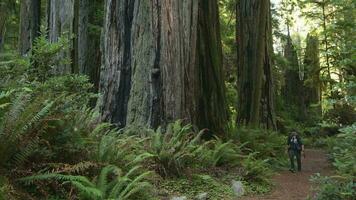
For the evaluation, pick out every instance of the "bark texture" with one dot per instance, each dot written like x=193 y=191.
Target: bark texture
x=86 y=55
x=255 y=81
x=29 y=24
x=73 y=19
x=158 y=60
x=61 y=18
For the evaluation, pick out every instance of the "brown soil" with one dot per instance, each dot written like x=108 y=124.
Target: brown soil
x=297 y=186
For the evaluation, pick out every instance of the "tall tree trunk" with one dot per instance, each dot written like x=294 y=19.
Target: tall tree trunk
x=71 y=19
x=3 y=19
x=87 y=42
x=255 y=81
x=61 y=21
x=312 y=65
x=293 y=90
x=29 y=24
x=211 y=74
x=157 y=66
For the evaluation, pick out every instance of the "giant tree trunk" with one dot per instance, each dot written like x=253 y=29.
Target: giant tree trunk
x=162 y=62
x=255 y=84
x=29 y=24
x=293 y=90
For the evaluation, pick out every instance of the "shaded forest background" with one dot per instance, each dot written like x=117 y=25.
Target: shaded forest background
x=109 y=99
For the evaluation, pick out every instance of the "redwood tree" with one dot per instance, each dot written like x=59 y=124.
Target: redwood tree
x=162 y=62
x=71 y=19
x=29 y=24
x=255 y=84
x=293 y=90
x=312 y=66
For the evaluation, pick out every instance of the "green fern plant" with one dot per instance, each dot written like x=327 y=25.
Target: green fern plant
x=216 y=153
x=16 y=142
x=110 y=184
x=256 y=170
x=119 y=148
x=173 y=151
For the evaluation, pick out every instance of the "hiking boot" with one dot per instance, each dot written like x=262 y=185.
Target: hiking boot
x=292 y=170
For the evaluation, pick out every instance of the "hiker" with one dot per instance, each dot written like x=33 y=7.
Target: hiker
x=295 y=149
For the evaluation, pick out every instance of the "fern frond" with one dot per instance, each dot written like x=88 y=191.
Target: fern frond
x=23 y=154
x=55 y=176
x=42 y=113
x=102 y=182
x=88 y=192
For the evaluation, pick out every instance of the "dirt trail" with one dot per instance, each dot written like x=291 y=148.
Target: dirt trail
x=289 y=186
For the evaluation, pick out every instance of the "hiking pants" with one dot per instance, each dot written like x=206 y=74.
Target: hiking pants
x=292 y=155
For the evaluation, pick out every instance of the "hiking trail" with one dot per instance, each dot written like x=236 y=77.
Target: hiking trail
x=297 y=186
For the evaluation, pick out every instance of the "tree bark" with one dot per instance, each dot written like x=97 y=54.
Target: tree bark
x=29 y=24
x=72 y=19
x=61 y=18
x=255 y=81
x=312 y=65
x=87 y=55
x=293 y=90
x=155 y=58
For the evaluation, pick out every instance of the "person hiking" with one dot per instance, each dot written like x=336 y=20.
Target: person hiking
x=295 y=150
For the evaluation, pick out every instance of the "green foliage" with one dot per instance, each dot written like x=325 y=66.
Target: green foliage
x=334 y=188
x=268 y=144
x=110 y=184
x=256 y=170
x=45 y=56
x=340 y=109
x=216 y=153
x=197 y=184
x=120 y=149
x=13 y=72
x=173 y=150
x=342 y=150
x=42 y=114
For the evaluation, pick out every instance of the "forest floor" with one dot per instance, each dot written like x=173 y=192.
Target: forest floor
x=297 y=186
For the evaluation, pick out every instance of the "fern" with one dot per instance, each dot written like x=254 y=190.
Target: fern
x=173 y=150
x=111 y=183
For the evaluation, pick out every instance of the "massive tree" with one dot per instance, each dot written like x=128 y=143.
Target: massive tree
x=162 y=62
x=255 y=84
x=30 y=14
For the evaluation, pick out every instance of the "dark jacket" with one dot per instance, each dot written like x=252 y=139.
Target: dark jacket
x=294 y=142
